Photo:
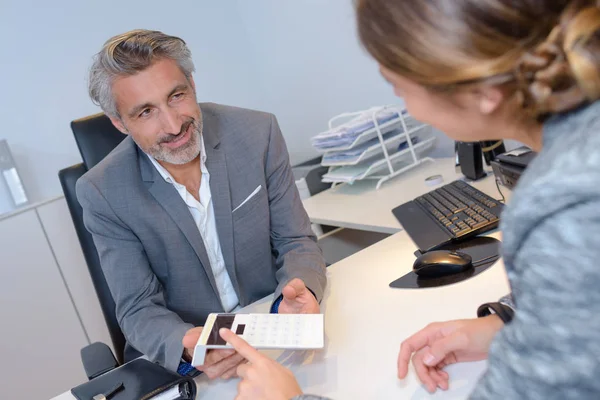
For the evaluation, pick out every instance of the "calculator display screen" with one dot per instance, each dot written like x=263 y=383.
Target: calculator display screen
x=221 y=321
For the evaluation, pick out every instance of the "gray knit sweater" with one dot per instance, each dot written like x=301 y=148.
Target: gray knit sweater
x=551 y=250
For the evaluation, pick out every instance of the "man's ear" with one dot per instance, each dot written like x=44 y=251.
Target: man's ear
x=490 y=99
x=119 y=125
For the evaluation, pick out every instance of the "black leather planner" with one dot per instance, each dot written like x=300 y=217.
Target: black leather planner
x=137 y=380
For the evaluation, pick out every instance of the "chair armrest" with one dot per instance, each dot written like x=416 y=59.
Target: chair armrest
x=97 y=359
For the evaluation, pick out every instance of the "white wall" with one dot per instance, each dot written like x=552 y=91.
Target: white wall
x=299 y=59
x=311 y=64
x=48 y=48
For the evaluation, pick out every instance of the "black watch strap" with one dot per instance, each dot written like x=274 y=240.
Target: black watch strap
x=503 y=311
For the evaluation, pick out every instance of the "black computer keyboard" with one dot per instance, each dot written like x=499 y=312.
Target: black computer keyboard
x=457 y=210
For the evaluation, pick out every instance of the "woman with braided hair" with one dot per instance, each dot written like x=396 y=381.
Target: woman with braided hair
x=527 y=70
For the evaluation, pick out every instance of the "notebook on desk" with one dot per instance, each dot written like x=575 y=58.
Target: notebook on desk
x=138 y=379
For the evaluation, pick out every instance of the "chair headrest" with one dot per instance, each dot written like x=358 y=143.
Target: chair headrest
x=96 y=136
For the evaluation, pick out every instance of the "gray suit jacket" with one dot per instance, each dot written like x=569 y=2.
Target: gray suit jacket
x=151 y=251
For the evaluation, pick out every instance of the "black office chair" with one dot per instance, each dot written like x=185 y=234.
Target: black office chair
x=96 y=137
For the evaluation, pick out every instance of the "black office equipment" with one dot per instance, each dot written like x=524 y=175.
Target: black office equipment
x=520 y=157
x=492 y=149
x=508 y=175
x=484 y=251
x=439 y=263
x=452 y=212
x=470 y=158
x=509 y=167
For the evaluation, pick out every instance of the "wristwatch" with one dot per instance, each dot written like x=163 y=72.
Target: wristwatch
x=503 y=311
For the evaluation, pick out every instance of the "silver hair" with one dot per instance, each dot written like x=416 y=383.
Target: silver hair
x=130 y=53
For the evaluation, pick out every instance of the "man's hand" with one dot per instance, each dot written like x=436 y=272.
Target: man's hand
x=444 y=343
x=262 y=378
x=218 y=363
x=297 y=299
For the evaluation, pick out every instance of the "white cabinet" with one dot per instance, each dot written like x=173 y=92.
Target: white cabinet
x=48 y=306
x=41 y=332
x=57 y=223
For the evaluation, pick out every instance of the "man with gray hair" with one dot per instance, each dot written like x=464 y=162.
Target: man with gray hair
x=196 y=211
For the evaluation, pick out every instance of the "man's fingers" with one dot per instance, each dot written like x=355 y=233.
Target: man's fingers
x=240 y=345
x=232 y=372
x=412 y=345
x=218 y=369
x=191 y=337
x=214 y=356
x=289 y=293
x=293 y=289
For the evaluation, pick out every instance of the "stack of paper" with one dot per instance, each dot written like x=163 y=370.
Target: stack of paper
x=345 y=134
x=393 y=142
x=401 y=158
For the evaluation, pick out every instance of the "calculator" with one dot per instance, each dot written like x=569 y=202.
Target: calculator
x=262 y=331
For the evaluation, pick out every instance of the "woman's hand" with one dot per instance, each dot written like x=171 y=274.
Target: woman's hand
x=262 y=378
x=444 y=343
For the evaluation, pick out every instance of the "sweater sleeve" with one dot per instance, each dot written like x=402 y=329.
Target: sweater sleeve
x=551 y=348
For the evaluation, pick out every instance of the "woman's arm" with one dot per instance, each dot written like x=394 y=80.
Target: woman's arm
x=552 y=346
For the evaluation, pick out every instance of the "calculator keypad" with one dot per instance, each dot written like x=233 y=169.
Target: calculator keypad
x=284 y=330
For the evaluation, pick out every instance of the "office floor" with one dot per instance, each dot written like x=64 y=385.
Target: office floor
x=344 y=242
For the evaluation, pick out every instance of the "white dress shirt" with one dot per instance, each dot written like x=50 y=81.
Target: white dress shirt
x=204 y=216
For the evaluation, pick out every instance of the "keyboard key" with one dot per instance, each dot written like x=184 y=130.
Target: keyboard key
x=430 y=204
x=479 y=225
x=491 y=217
x=462 y=232
x=479 y=218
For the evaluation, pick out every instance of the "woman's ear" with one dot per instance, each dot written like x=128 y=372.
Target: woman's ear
x=489 y=98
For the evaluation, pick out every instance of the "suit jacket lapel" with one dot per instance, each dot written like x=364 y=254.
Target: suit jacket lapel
x=216 y=164
x=169 y=199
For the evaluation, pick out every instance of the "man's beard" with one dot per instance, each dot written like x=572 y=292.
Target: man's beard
x=183 y=154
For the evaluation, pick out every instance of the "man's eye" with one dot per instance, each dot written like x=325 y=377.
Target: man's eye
x=145 y=113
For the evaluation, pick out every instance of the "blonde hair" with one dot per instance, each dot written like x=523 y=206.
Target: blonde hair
x=546 y=51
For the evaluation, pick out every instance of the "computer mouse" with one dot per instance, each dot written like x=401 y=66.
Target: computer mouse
x=439 y=263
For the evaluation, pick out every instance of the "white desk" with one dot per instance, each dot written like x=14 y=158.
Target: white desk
x=365 y=322
x=361 y=206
